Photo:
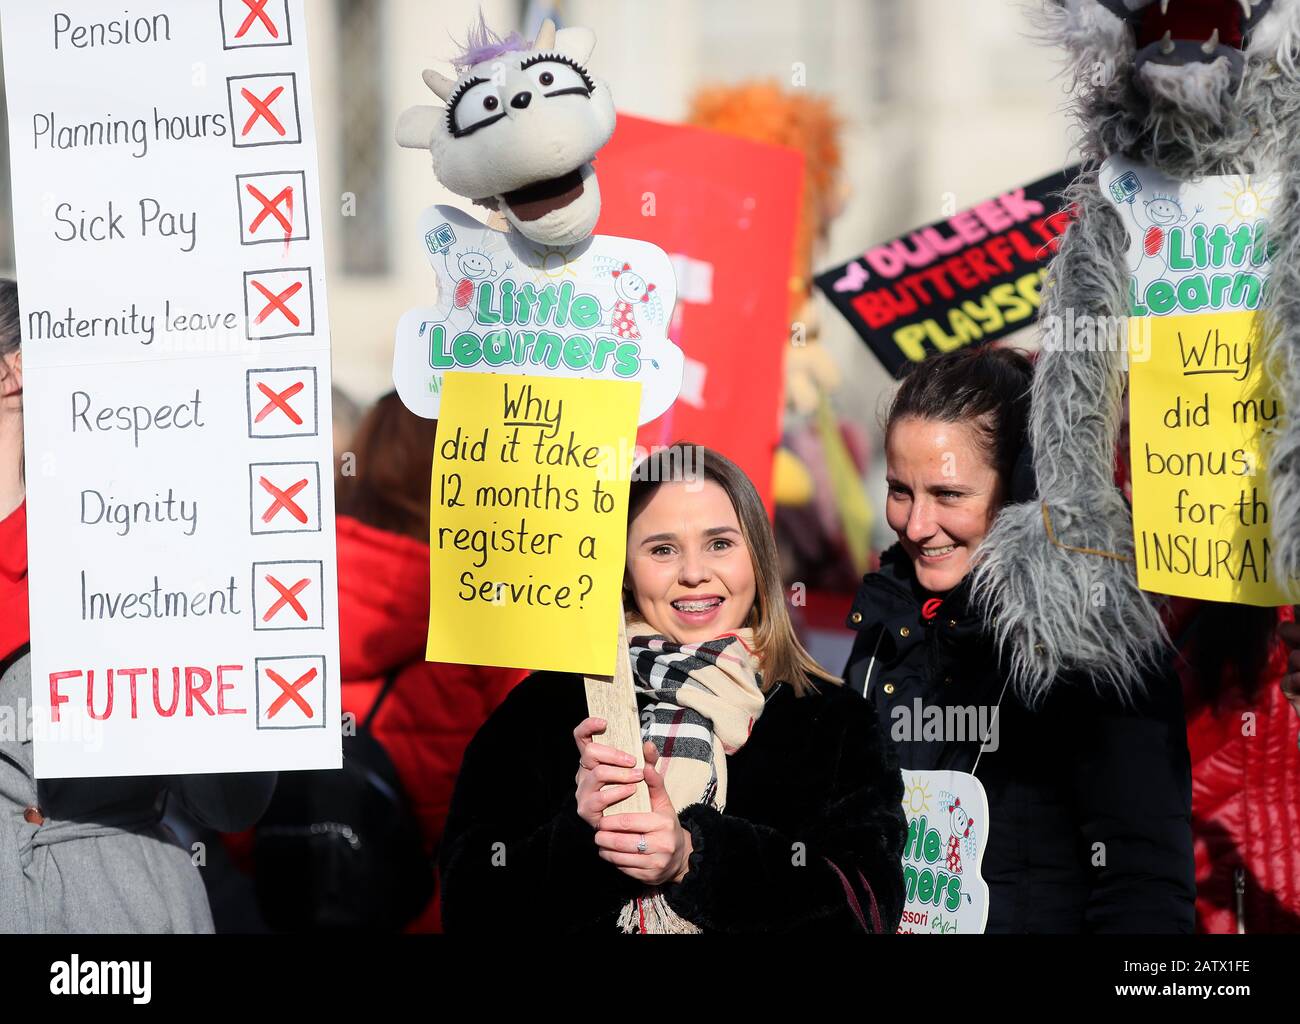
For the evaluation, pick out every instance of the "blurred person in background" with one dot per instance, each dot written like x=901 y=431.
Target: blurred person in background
x=432 y=710
x=85 y=855
x=1241 y=736
x=1245 y=767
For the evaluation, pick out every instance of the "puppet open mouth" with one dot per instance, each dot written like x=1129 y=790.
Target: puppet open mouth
x=1183 y=32
x=535 y=201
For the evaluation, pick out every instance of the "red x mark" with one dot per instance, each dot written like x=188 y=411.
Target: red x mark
x=278 y=302
x=256 y=12
x=290 y=692
x=289 y=596
x=283 y=500
x=271 y=208
x=262 y=110
x=279 y=400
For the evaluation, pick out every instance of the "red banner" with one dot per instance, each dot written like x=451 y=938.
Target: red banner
x=724 y=210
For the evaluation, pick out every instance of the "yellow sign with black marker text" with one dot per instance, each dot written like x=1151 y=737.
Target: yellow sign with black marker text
x=528 y=521
x=1201 y=412
x=1202 y=406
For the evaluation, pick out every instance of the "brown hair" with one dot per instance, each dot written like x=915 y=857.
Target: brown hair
x=11 y=339
x=393 y=456
x=782 y=657
x=986 y=388
x=11 y=336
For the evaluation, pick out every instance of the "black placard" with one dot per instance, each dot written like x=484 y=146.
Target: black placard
x=969 y=279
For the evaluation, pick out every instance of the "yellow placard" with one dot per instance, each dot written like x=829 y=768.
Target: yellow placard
x=528 y=521
x=1200 y=413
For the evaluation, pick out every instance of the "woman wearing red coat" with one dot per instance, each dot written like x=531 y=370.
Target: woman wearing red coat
x=1241 y=735
x=433 y=709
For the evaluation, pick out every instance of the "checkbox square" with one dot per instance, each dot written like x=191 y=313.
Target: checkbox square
x=284 y=497
x=272 y=207
x=264 y=110
x=283 y=402
x=279 y=304
x=288 y=595
x=291 y=692
x=254 y=23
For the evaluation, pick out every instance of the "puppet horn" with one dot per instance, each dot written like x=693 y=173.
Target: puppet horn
x=545 y=36
x=441 y=85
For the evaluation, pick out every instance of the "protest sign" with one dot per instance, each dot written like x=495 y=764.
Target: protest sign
x=177 y=388
x=598 y=310
x=724 y=209
x=947 y=834
x=1201 y=406
x=970 y=279
x=529 y=521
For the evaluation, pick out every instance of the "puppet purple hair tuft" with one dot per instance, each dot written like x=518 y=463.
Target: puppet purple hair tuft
x=484 y=44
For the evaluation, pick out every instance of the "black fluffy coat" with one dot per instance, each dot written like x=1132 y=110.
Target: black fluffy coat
x=1089 y=800
x=815 y=781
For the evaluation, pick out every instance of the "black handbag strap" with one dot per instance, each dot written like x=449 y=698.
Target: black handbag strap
x=389 y=680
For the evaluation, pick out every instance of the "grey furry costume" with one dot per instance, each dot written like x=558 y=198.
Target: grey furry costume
x=1056 y=576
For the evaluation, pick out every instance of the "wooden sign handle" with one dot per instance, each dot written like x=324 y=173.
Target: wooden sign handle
x=614 y=700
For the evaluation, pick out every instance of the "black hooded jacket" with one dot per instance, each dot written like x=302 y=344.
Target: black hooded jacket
x=1089 y=800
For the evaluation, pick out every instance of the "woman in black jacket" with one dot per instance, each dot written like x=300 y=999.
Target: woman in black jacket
x=1089 y=797
x=775 y=802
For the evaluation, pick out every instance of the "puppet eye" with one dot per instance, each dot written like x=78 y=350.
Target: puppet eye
x=475 y=106
x=557 y=77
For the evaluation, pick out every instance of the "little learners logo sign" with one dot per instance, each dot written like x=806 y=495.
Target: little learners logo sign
x=599 y=310
x=1202 y=407
x=947 y=834
x=528 y=521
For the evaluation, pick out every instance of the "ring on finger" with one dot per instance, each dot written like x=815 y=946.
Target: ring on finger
x=641 y=846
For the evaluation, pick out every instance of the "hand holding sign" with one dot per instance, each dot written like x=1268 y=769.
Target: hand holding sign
x=606 y=776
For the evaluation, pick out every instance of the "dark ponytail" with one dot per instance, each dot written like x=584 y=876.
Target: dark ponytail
x=985 y=387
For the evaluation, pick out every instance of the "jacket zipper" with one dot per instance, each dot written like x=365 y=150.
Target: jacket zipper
x=1239 y=887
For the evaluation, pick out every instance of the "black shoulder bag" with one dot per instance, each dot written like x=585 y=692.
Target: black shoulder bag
x=340 y=849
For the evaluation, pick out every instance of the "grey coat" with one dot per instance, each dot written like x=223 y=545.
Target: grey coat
x=102 y=860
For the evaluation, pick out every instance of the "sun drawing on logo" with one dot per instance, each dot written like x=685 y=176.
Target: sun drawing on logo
x=916 y=796
x=1242 y=202
x=552 y=263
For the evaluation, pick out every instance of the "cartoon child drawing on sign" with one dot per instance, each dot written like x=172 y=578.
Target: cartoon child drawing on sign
x=472 y=266
x=962 y=839
x=631 y=291
x=1163 y=212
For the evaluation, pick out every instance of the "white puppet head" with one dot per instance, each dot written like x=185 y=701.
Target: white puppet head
x=521 y=126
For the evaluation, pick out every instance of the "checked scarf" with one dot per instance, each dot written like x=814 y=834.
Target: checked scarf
x=703 y=702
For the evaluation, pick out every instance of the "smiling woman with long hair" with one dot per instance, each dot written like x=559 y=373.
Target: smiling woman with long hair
x=775 y=806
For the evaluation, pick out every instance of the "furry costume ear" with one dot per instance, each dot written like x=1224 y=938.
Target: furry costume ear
x=441 y=85
x=545 y=36
x=416 y=126
x=576 y=42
